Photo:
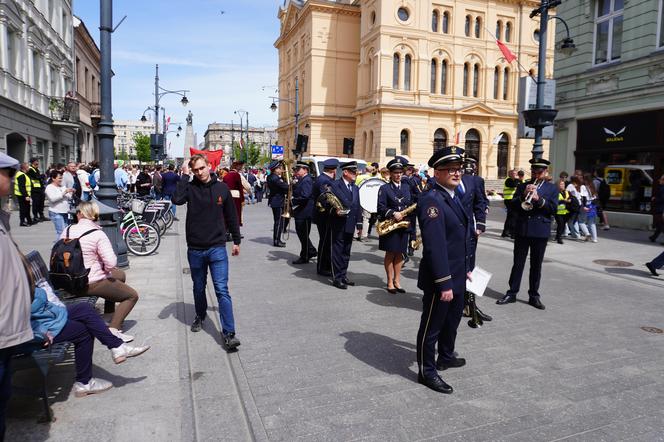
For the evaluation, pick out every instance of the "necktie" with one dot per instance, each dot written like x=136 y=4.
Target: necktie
x=350 y=189
x=462 y=191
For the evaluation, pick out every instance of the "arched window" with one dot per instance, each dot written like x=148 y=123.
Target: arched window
x=508 y=32
x=434 y=67
x=434 y=21
x=466 y=28
x=496 y=82
x=506 y=83
x=371 y=73
x=478 y=27
x=476 y=80
x=499 y=29
x=466 y=70
x=439 y=139
x=404 y=142
x=472 y=145
x=364 y=145
x=371 y=144
x=446 y=22
x=503 y=155
x=406 y=74
x=443 y=77
x=395 y=71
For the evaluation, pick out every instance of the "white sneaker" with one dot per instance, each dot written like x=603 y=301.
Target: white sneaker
x=118 y=334
x=121 y=353
x=606 y=227
x=594 y=240
x=93 y=386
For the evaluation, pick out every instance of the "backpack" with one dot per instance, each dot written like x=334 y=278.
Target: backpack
x=67 y=269
x=92 y=180
x=604 y=191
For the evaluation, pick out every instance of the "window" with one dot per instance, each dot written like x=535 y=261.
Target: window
x=476 y=80
x=406 y=74
x=506 y=83
x=496 y=82
x=499 y=29
x=371 y=73
x=36 y=72
x=478 y=27
x=434 y=67
x=466 y=68
x=472 y=145
x=439 y=139
x=373 y=17
x=443 y=77
x=404 y=142
x=466 y=28
x=503 y=155
x=434 y=21
x=446 y=22
x=608 y=30
x=508 y=32
x=12 y=51
x=54 y=83
x=395 y=72
x=403 y=14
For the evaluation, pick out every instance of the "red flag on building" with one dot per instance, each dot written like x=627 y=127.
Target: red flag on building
x=509 y=56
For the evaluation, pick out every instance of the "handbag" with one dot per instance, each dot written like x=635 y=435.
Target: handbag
x=235 y=193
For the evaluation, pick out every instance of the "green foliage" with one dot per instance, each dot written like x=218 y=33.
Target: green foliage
x=122 y=156
x=142 y=143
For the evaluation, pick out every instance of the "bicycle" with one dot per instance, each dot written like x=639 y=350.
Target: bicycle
x=141 y=238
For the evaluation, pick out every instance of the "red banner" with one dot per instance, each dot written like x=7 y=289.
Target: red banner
x=213 y=156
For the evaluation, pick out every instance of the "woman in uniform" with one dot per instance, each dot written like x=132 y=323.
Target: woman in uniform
x=393 y=198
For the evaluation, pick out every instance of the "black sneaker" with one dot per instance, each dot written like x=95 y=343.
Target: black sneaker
x=197 y=325
x=231 y=341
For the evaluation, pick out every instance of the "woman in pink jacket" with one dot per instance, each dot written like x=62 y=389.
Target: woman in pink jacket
x=105 y=280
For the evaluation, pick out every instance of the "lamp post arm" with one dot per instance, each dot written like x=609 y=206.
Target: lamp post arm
x=563 y=22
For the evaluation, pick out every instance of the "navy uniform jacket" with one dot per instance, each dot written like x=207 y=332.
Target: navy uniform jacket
x=303 y=205
x=350 y=201
x=318 y=188
x=391 y=200
x=474 y=199
x=446 y=235
x=413 y=183
x=535 y=223
x=278 y=190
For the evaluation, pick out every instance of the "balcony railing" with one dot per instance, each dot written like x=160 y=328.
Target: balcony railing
x=64 y=109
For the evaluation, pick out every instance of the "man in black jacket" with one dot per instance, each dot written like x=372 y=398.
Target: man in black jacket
x=278 y=194
x=303 y=211
x=37 y=196
x=209 y=208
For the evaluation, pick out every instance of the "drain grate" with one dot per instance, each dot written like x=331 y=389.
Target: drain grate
x=652 y=330
x=186 y=270
x=613 y=263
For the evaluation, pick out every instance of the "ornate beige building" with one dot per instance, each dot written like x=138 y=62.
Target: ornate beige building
x=407 y=76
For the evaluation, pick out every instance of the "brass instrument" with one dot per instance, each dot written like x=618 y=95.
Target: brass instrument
x=527 y=204
x=329 y=199
x=390 y=225
x=416 y=243
x=289 y=196
x=475 y=320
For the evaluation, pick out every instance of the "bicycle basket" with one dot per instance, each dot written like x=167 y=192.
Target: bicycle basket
x=137 y=206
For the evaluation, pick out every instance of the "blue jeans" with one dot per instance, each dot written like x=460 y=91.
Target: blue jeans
x=216 y=259
x=173 y=206
x=59 y=221
x=658 y=262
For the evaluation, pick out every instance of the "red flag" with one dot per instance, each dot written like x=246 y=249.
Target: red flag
x=506 y=52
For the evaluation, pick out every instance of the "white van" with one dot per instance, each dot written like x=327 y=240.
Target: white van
x=316 y=164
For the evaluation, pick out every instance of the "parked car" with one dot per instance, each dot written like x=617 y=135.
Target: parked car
x=631 y=186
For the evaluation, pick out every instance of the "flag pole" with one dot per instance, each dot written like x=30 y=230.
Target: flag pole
x=515 y=57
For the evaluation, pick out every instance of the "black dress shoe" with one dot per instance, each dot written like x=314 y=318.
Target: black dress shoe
x=436 y=384
x=300 y=261
x=24 y=225
x=507 y=299
x=313 y=255
x=280 y=244
x=560 y=241
x=652 y=269
x=535 y=302
x=348 y=282
x=454 y=363
x=392 y=291
x=325 y=273
x=652 y=238
x=339 y=284
x=399 y=289
x=483 y=316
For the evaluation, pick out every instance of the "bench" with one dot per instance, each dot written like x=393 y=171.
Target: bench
x=32 y=355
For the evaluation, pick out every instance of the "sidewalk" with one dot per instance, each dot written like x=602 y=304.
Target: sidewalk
x=317 y=363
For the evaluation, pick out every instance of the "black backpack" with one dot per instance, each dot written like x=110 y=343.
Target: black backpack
x=67 y=270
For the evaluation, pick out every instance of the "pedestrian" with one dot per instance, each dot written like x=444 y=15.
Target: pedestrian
x=278 y=194
x=59 y=200
x=656 y=264
x=321 y=218
x=259 y=185
x=446 y=229
x=169 y=185
x=532 y=230
x=303 y=210
x=37 y=195
x=22 y=193
x=157 y=182
x=121 y=177
x=83 y=176
x=209 y=201
x=233 y=180
x=657 y=204
x=15 y=292
x=144 y=182
x=575 y=189
x=251 y=179
x=564 y=201
x=509 y=187
x=603 y=196
x=591 y=207
x=68 y=175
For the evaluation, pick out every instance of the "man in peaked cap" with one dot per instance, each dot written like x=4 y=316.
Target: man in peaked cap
x=532 y=228
x=303 y=210
x=278 y=193
x=446 y=230
x=323 y=183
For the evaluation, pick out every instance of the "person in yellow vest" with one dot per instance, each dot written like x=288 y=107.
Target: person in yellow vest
x=22 y=193
x=564 y=198
x=511 y=183
x=38 y=196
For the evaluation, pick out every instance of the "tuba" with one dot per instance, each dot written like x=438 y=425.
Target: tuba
x=327 y=199
x=390 y=225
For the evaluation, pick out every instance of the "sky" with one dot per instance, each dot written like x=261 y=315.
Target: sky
x=224 y=59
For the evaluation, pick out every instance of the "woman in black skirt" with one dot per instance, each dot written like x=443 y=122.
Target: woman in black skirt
x=393 y=198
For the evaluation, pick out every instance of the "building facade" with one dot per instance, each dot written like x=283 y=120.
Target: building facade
x=88 y=91
x=38 y=108
x=610 y=97
x=222 y=135
x=405 y=77
x=124 y=135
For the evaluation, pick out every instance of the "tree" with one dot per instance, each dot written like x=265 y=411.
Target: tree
x=122 y=156
x=142 y=143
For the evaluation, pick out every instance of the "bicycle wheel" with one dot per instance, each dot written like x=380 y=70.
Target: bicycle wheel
x=168 y=218
x=160 y=225
x=142 y=240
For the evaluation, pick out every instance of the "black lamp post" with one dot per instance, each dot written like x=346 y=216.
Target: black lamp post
x=296 y=101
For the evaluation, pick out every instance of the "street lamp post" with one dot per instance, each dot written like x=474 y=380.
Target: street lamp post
x=242 y=113
x=296 y=101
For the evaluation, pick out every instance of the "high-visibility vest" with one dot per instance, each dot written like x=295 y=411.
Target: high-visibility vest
x=28 y=184
x=562 y=206
x=508 y=192
x=37 y=182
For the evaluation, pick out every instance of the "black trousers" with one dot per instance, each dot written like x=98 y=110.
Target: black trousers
x=279 y=225
x=508 y=228
x=324 y=263
x=341 y=245
x=438 y=325
x=259 y=194
x=37 y=198
x=303 y=228
x=561 y=223
x=536 y=247
x=23 y=210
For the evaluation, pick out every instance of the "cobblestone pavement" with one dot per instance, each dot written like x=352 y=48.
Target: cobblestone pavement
x=318 y=363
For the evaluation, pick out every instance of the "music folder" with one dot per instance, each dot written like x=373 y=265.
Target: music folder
x=480 y=281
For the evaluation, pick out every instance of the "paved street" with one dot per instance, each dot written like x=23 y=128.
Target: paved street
x=318 y=364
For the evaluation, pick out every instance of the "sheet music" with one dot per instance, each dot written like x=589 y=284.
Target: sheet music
x=480 y=281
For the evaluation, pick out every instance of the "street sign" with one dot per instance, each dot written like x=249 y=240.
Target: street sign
x=528 y=100
x=277 y=152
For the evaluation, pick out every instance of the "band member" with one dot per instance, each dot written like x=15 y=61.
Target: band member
x=342 y=223
x=393 y=198
x=473 y=197
x=278 y=190
x=532 y=229
x=303 y=210
x=412 y=180
x=321 y=218
x=445 y=227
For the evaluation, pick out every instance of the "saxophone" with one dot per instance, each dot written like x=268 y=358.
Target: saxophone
x=390 y=225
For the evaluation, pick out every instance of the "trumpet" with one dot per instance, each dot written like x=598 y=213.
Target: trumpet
x=527 y=203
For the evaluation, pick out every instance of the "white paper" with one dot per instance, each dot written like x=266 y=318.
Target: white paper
x=480 y=281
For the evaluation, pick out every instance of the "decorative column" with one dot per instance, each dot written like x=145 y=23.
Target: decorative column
x=3 y=43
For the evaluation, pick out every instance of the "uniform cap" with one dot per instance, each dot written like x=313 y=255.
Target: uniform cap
x=301 y=164
x=274 y=164
x=330 y=163
x=397 y=163
x=349 y=165
x=7 y=162
x=539 y=162
x=447 y=154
